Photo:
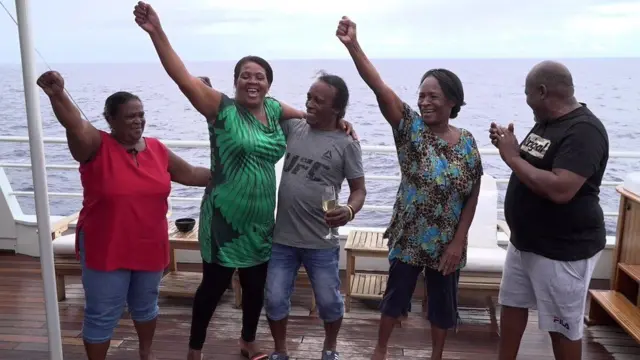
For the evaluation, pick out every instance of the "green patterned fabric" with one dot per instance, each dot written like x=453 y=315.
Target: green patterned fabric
x=237 y=210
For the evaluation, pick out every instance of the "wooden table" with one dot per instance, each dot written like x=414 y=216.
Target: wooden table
x=180 y=283
x=364 y=285
x=184 y=284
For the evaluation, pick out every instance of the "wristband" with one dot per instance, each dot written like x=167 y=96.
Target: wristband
x=351 y=212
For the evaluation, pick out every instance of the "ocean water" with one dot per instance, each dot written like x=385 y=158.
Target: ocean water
x=494 y=91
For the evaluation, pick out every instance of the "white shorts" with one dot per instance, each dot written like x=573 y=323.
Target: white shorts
x=557 y=289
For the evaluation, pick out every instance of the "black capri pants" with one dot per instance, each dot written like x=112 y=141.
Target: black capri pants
x=442 y=292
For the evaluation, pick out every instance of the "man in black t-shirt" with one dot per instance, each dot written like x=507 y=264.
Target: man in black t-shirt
x=553 y=211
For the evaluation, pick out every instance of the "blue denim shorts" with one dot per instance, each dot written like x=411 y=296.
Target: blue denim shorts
x=106 y=294
x=442 y=292
x=321 y=266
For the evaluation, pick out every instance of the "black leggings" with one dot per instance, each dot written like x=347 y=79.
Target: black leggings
x=215 y=281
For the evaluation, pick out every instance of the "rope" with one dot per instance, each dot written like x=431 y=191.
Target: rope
x=44 y=61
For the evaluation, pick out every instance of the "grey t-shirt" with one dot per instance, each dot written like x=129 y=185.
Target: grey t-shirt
x=314 y=159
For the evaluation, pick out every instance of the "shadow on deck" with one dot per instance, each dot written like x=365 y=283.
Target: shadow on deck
x=23 y=330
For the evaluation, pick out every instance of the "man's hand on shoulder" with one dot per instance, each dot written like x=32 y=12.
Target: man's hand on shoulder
x=348 y=128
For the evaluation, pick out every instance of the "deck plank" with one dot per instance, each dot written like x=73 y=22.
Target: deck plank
x=23 y=331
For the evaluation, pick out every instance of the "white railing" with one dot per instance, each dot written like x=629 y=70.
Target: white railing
x=205 y=144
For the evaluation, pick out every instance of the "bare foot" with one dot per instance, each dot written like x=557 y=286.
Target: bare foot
x=249 y=348
x=193 y=355
x=147 y=356
x=379 y=354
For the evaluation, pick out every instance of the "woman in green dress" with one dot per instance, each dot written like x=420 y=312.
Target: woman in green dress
x=237 y=210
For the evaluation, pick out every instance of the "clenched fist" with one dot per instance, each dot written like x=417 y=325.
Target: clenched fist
x=346 y=31
x=52 y=83
x=146 y=17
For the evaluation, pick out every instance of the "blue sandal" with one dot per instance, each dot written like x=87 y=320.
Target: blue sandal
x=330 y=355
x=278 y=356
x=257 y=356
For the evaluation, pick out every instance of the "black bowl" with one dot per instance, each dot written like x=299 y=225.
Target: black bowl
x=185 y=224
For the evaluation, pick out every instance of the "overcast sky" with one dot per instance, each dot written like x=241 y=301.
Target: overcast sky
x=68 y=31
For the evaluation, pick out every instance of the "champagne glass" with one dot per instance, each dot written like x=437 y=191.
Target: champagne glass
x=329 y=202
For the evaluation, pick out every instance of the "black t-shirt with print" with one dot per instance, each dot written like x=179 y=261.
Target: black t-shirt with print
x=576 y=142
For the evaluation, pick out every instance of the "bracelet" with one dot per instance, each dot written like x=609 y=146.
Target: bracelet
x=351 y=212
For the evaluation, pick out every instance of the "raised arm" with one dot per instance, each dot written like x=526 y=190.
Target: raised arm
x=83 y=139
x=389 y=103
x=204 y=98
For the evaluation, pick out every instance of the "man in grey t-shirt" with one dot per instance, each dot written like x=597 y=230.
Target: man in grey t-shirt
x=319 y=154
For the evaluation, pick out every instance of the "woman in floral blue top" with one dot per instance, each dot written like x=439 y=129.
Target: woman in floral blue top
x=436 y=201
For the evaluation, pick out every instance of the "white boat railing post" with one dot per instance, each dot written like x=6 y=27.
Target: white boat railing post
x=39 y=173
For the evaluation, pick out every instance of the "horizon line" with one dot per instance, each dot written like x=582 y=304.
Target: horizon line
x=103 y=62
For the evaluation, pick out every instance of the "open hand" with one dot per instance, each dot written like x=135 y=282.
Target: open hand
x=451 y=258
x=346 y=31
x=495 y=132
x=339 y=216
x=52 y=83
x=348 y=128
x=146 y=17
x=505 y=140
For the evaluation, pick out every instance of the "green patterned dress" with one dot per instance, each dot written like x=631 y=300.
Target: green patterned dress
x=237 y=210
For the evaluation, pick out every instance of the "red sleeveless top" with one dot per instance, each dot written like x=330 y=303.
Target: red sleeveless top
x=123 y=216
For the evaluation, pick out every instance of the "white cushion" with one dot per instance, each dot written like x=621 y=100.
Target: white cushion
x=279 y=167
x=632 y=183
x=483 y=231
x=65 y=245
x=485 y=259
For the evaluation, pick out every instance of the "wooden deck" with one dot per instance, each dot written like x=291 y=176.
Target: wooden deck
x=23 y=331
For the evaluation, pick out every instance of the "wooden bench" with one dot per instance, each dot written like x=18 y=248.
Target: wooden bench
x=64 y=251
x=174 y=283
x=371 y=286
x=64 y=257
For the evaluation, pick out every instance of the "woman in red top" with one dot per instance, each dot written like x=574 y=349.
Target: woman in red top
x=122 y=235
